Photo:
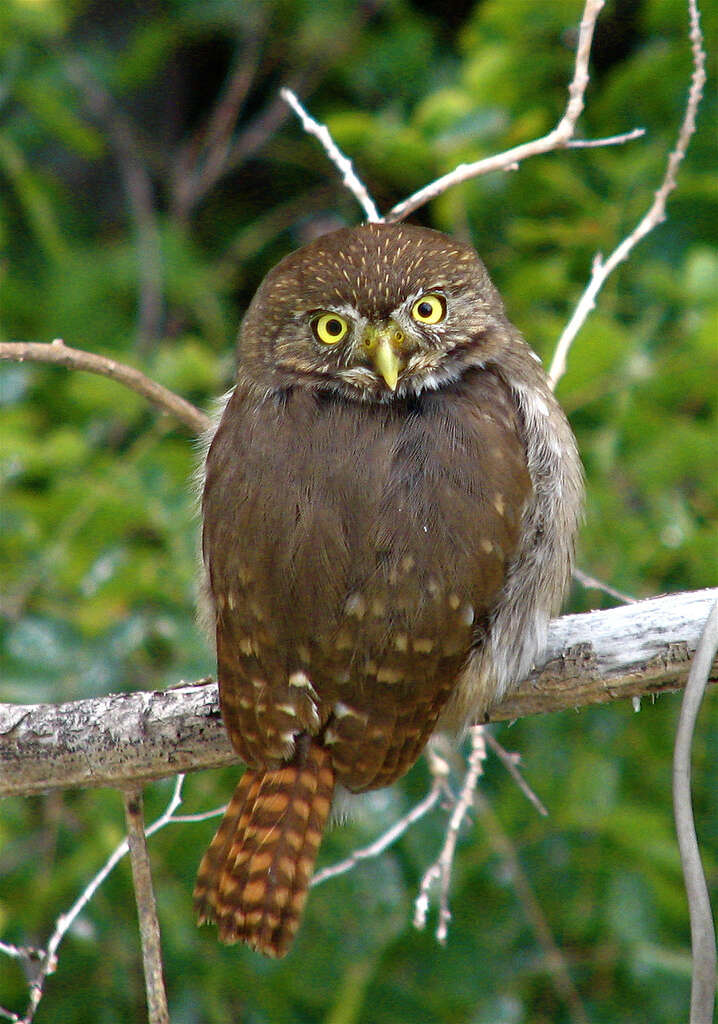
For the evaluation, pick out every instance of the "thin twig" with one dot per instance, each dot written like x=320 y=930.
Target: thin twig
x=146 y=909
x=342 y=163
x=656 y=213
x=703 y=939
x=554 y=958
x=387 y=839
x=610 y=140
x=179 y=819
x=560 y=138
x=511 y=761
x=77 y=359
x=591 y=583
x=440 y=870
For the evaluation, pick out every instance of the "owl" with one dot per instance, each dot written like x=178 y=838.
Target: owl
x=390 y=504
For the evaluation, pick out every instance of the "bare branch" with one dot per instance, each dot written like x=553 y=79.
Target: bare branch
x=341 y=162
x=126 y=739
x=656 y=213
x=440 y=870
x=703 y=940
x=146 y=909
x=560 y=138
x=60 y=354
x=591 y=583
x=388 y=838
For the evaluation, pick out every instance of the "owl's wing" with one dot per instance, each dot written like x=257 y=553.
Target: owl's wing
x=539 y=568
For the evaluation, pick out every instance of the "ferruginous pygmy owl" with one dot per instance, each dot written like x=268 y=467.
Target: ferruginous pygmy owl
x=390 y=504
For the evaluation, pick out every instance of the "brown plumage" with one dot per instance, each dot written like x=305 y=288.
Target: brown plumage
x=390 y=504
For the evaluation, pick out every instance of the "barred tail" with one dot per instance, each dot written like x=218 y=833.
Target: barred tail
x=253 y=879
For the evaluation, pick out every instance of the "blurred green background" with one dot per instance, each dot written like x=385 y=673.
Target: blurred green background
x=136 y=220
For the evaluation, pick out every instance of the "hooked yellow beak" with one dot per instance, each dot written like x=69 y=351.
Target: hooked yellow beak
x=383 y=345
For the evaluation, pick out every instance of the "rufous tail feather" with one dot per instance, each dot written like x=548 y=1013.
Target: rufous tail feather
x=253 y=880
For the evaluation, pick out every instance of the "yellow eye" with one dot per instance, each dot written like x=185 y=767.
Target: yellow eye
x=429 y=309
x=330 y=328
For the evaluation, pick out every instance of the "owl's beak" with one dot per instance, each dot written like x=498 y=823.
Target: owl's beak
x=382 y=345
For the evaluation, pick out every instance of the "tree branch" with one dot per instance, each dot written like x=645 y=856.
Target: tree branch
x=561 y=137
x=343 y=164
x=39 y=963
x=440 y=870
x=656 y=213
x=126 y=739
x=703 y=939
x=146 y=908
x=76 y=359
x=554 y=958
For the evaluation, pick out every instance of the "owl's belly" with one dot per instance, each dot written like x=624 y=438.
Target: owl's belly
x=366 y=656
x=353 y=579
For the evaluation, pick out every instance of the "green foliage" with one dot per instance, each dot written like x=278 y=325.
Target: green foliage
x=109 y=241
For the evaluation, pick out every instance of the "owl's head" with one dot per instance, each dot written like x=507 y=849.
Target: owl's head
x=375 y=312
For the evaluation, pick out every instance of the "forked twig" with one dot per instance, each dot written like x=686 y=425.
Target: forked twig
x=388 y=838
x=560 y=138
x=39 y=963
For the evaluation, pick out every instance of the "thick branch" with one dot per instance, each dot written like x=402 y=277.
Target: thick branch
x=125 y=739
x=76 y=359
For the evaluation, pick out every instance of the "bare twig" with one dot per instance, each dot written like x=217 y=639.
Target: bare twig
x=216 y=812
x=554 y=958
x=146 y=909
x=77 y=359
x=440 y=870
x=388 y=838
x=511 y=761
x=591 y=583
x=341 y=162
x=703 y=940
x=656 y=213
x=610 y=140
x=560 y=138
